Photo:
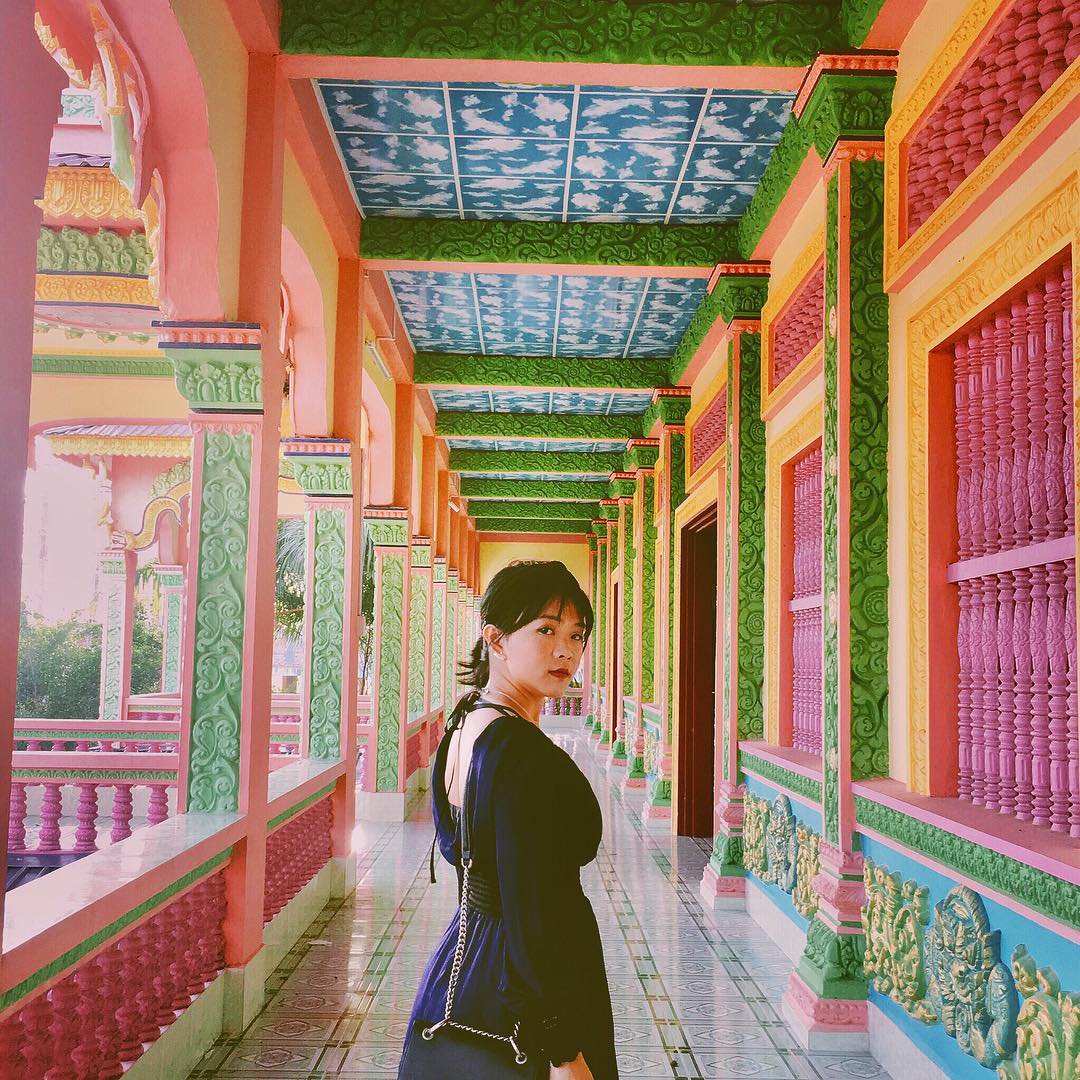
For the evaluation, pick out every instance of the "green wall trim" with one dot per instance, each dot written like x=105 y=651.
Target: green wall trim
x=539 y=426
x=218 y=378
x=554 y=372
x=77 y=952
x=477 y=487
x=540 y=242
x=528 y=510
x=857 y=17
x=673 y=32
x=668 y=410
x=162 y=775
x=1053 y=896
x=780 y=777
x=138 y=367
x=71 y=250
x=530 y=526
x=533 y=461
x=303 y=804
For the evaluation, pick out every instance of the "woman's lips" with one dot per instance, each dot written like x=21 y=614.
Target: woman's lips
x=560 y=673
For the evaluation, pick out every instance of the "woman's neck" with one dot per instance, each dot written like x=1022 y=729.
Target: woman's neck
x=504 y=692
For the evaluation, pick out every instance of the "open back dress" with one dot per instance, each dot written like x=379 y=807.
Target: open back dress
x=533 y=952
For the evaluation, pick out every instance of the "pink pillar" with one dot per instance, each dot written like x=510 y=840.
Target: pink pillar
x=116 y=610
x=31 y=83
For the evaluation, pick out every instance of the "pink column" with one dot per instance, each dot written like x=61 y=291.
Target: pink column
x=116 y=602
x=31 y=83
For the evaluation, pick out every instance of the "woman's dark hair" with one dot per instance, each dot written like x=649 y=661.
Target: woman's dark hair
x=516 y=595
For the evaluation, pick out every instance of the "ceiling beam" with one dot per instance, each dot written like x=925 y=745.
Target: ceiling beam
x=477 y=489
x=551 y=426
x=450 y=370
x=533 y=461
x=531 y=525
x=596 y=245
x=533 y=509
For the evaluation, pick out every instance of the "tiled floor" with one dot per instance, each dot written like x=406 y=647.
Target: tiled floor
x=692 y=998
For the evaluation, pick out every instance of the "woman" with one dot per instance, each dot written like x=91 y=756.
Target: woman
x=532 y=956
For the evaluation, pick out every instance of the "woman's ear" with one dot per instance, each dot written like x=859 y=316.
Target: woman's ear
x=494 y=640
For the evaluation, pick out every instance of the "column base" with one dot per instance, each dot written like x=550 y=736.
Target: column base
x=633 y=783
x=244 y=992
x=343 y=875
x=653 y=812
x=722 y=891
x=819 y=1023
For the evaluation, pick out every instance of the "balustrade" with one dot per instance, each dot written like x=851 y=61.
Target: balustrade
x=567 y=705
x=295 y=853
x=1033 y=44
x=108 y=1009
x=1016 y=693
x=805 y=603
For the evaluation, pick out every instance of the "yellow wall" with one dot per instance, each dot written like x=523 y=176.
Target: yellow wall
x=70 y=397
x=495 y=554
x=222 y=62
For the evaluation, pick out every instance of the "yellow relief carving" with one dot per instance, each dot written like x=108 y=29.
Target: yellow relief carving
x=901 y=253
x=1019 y=249
x=1048 y=1027
x=755 y=826
x=156 y=446
x=808 y=864
x=808 y=258
x=151 y=516
x=894 y=922
x=94 y=289
x=796 y=438
x=93 y=194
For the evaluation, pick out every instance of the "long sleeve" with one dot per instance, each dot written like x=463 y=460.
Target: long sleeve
x=537 y=879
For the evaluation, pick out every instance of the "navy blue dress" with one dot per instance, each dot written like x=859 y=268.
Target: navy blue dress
x=536 y=822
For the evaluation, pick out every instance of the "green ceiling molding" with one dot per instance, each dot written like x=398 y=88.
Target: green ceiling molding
x=526 y=525
x=537 y=425
x=552 y=511
x=857 y=17
x=99 y=251
x=640 y=457
x=536 y=461
x=735 y=296
x=137 y=367
x=609 y=513
x=624 y=487
x=690 y=32
x=474 y=487
x=556 y=372
x=577 y=242
x=853 y=106
x=667 y=410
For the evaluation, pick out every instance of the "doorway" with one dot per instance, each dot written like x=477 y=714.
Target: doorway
x=697 y=677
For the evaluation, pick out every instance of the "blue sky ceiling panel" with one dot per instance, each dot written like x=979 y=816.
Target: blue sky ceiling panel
x=553 y=153
x=547 y=477
x=545 y=314
x=572 y=446
x=548 y=402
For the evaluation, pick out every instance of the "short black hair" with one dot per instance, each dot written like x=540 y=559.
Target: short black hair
x=516 y=595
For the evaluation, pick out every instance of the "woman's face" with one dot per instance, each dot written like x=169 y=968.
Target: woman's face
x=543 y=654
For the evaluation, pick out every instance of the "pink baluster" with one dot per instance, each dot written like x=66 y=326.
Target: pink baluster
x=111 y=962
x=978 y=693
x=1030 y=57
x=965 y=641
x=37 y=1041
x=121 y=813
x=977 y=496
x=1022 y=652
x=165 y=989
x=17 y=817
x=962 y=392
x=990 y=716
x=1073 y=748
x=990 y=441
x=86 y=818
x=1071 y=16
x=158 y=807
x=64 y=1030
x=178 y=972
x=146 y=985
x=1049 y=313
x=1068 y=450
x=1059 y=696
x=1040 y=698
x=12 y=1037
x=1054 y=36
x=1018 y=439
x=88 y=1010
x=190 y=912
x=51 y=806
x=129 y=1011
x=1037 y=479
x=1006 y=698
x=1002 y=428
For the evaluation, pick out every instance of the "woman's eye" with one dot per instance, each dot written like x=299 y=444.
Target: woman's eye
x=544 y=630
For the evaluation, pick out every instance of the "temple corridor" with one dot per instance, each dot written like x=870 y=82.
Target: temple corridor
x=700 y=998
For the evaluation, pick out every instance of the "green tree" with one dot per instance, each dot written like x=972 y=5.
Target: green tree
x=291 y=577
x=146 y=653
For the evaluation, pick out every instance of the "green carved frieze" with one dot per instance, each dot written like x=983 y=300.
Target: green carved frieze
x=387 y=532
x=418 y=598
x=218 y=378
x=778 y=776
x=545 y=242
x=438 y=619
x=530 y=525
x=525 y=510
x=137 y=367
x=533 y=461
x=220 y=601
x=390 y=643
x=648 y=590
x=714 y=33
x=70 y=250
x=327 y=635
x=832 y=963
x=479 y=487
x=550 y=372
x=667 y=409
x=323 y=474
x=537 y=426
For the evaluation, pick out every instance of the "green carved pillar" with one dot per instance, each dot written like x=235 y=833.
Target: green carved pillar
x=437 y=667
x=612 y=719
x=324 y=469
x=600 y=650
x=641 y=455
x=170 y=580
x=225 y=726
x=589 y=682
x=116 y=609
x=464 y=647
x=828 y=991
x=384 y=795
x=742 y=605
x=667 y=414
x=453 y=593
x=419 y=622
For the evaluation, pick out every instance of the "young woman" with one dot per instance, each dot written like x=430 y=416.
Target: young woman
x=533 y=958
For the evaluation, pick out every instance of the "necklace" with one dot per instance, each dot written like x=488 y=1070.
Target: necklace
x=508 y=699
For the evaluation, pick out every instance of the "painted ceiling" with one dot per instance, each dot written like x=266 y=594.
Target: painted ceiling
x=545 y=314
x=583 y=402
x=571 y=446
x=553 y=153
x=546 y=477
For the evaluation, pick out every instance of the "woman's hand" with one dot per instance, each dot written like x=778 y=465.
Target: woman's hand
x=572 y=1070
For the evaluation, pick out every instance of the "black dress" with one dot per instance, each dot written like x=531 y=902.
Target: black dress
x=536 y=822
